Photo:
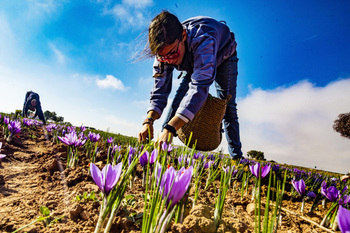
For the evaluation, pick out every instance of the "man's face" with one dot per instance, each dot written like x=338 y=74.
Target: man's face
x=173 y=53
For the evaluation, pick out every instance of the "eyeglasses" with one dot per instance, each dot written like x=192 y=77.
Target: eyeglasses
x=173 y=54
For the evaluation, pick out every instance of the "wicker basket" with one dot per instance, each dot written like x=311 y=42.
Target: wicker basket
x=206 y=125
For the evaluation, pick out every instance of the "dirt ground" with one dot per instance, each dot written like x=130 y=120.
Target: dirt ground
x=33 y=174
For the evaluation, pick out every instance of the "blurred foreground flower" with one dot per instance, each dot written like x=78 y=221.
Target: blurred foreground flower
x=343 y=219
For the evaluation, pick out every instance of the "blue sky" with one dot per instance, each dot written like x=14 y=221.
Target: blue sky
x=293 y=82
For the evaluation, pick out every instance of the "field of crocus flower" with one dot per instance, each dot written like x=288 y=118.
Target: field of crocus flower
x=59 y=178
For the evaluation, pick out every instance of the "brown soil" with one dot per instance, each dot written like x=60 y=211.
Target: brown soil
x=33 y=174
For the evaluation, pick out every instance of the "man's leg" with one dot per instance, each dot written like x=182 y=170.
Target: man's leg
x=226 y=83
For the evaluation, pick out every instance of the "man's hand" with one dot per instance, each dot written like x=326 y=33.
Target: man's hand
x=146 y=133
x=165 y=137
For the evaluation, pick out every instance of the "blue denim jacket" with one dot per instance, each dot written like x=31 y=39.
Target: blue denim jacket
x=209 y=42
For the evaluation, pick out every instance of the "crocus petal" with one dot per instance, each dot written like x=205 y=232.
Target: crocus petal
x=299 y=186
x=181 y=183
x=311 y=195
x=97 y=176
x=144 y=159
x=343 y=218
x=265 y=170
x=112 y=176
x=2 y=156
x=154 y=156
x=332 y=193
x=167 y=180
x=164 y=146
x=255 y=169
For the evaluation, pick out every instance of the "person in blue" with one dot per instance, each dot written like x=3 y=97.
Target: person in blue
x=32 y=102
x=204 y=50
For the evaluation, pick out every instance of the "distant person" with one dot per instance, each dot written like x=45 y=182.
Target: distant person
x=32 y=102
x=205 y=50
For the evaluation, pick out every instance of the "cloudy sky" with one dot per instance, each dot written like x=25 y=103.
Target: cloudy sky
x=293 y=82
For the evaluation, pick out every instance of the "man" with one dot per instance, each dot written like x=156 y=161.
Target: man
x=205 y=50
x=32 y=102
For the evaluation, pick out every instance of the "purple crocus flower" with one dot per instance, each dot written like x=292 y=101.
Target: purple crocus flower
x=107 y=178
x=82 y=128
x=234 y=172
x=181 y=158
x=189 y=161
x=115 y=148
x=71 y=139
x=14 y=127
x=110 y=140
x=154 y=156
x=197 y=155
x=332 y=193
x=208 y=164
x=70 y=129
x=93 y=137
x=311 y=195
x=27 y=122
x=166 y=147
x=6 y=120
x=275 y=167
x=299 y=186
x=344 y=200
x=256 y=168
x=50 y=127
x=211 y=157
x=144 y=159
x=343 y=219
x=174 y=184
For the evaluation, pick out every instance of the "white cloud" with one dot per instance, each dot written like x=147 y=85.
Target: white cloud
x=124 y=127
x=110 y=82
x=131 y=14
x=294 y=125
x=138 y=3
x=59 y=55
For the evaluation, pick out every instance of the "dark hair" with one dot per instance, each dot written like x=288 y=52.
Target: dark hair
x=163 y=30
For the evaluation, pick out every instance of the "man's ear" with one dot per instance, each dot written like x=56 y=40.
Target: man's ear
x=184 y=34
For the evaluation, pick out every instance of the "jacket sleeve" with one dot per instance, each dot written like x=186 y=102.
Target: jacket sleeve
x=162 y=87
x=204 y=49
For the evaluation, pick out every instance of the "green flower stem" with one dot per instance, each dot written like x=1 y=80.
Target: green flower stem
x=267 y=205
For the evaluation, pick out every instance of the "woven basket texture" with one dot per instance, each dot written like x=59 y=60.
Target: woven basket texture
x=206 y=125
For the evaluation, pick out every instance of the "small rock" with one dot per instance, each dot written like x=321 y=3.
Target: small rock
x=179 y=228
x=201 y=211
x=251 y=209
x=85 y=215
x=52 y=166
x=199 y=224
x=74 y=211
